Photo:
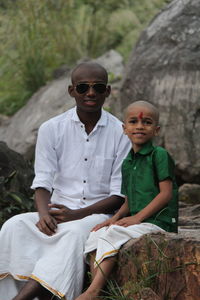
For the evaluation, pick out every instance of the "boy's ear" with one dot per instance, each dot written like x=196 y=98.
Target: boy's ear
x=108 y=90
x=71 y=91
x=157 y=130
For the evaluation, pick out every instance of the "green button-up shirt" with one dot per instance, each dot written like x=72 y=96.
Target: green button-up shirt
x=141 y=174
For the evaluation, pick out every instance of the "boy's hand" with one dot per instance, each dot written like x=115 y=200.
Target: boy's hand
x=47 y=224
x=62 y=213
x=105 y=223
x=127 y=221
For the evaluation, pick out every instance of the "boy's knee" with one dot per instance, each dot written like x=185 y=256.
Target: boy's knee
x=11 y=223
x=111 y=230
x=14 y=221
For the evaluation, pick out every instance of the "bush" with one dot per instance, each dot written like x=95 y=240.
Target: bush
x=12 y=203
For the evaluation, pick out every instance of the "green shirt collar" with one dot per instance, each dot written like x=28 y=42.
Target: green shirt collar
x=146 y=149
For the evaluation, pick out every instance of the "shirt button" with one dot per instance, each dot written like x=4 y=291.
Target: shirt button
x=134 y=168
x=85 y=159
x=81 y=126
x=87 y=140
x=84 y=181
x=84 y=198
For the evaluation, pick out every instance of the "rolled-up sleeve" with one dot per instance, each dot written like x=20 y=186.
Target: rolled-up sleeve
x=45 y=158
x=116 y=177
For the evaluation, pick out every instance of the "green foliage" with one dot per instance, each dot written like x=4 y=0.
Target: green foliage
x=12 y=203
x=37 y=36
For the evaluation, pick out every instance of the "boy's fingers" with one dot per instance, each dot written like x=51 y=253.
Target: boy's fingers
x=47 y=225
x=95 y=228
x=52 y=225
x=98 y=226
x=56 y=206
x=54 y=212
x=45 y=229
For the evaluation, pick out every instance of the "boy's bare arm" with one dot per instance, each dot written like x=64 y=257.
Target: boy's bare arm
x=154 y=206
x=47 y=224
x=49 y=218
x=122 y=212
x=65 y=214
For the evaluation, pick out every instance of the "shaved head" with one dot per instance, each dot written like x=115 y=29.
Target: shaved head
x=141 y=104
x=89 y=67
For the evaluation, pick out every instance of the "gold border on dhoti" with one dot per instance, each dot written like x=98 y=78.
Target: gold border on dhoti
x=104 y=255
x=43 y=283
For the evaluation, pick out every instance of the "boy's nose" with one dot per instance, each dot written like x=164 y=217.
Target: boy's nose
x=90 y=91
x=140 y=124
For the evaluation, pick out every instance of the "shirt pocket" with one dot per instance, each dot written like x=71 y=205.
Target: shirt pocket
x=103 y=169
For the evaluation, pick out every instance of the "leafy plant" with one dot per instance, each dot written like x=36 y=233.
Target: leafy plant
x=12 y=203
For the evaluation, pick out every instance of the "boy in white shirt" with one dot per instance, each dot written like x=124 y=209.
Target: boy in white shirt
x=77 y=185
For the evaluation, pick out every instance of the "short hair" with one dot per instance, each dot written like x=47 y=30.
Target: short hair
x=143 y=103
x=90 y=65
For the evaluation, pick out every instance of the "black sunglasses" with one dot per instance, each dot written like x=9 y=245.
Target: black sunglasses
x=99 y=88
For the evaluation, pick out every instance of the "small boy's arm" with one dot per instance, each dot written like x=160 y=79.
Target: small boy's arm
x=154 y=206
x=123 y=211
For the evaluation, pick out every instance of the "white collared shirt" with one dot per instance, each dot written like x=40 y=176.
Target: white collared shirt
x=80 y=169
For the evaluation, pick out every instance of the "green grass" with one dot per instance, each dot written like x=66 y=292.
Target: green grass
x=37 y=36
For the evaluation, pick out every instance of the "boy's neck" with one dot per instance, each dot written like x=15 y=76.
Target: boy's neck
x=89 y=119
x=137 y=148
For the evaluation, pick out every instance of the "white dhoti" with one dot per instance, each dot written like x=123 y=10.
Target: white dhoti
x=108 y=240
x=56 y=262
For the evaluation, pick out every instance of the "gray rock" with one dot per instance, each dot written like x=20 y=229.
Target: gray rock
x=167 y=262
x=164 y=69
x=20 y=134
x=189 y=193
x=113 y=62
x=189 y=217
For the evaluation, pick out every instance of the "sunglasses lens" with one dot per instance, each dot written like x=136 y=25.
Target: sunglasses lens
x=99 y=88
x=81 y=88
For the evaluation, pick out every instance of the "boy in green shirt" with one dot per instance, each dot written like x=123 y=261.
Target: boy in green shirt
x=151 y=205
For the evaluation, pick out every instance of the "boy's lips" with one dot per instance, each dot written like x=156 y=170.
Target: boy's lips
x=138 y=133
x=90 y=102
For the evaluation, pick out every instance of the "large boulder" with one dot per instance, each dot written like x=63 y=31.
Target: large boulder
x=189 y=193
x=189 y=217
x=20 y=131
x=168 y=264
x=164 y=69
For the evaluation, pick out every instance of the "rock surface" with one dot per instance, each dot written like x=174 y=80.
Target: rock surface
x=164 y=69
x=20 y=131
x=189 y=216
x=168 y=264
x=12 y=162
x=189 y=193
